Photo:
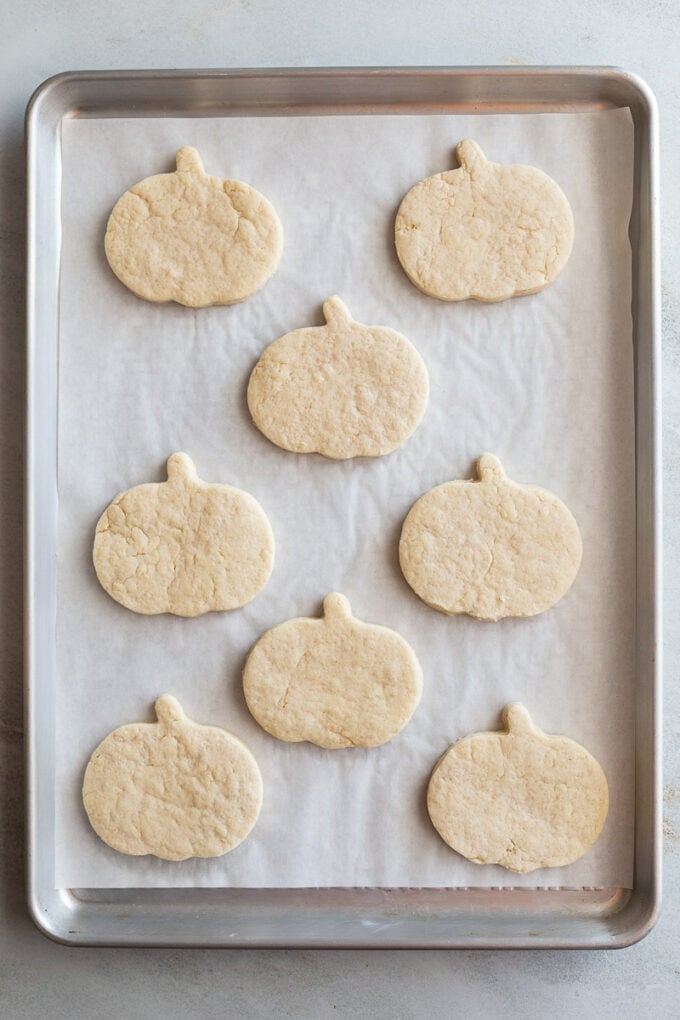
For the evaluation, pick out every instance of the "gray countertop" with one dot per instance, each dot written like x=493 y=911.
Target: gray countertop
x=39 y=978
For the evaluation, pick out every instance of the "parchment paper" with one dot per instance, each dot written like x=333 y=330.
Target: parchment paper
x=545 y=382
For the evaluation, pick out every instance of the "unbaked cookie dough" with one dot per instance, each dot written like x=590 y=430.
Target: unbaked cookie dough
x=520 y=798
x=334 y=681
x=192 y=238
x=173 y=788
x=342 y=390
x=490 y=548
x=183 y=546
x=486 y=231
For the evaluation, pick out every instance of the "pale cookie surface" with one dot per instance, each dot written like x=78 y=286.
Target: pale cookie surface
x=334 y=681
x=490 y=548
x=520 y=798
x=183 y=546
x=484 y=231
x=173 y=788
x=192 y=238
x=342 y=390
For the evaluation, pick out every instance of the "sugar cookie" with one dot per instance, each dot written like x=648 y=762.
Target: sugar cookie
x=334 y=681
x=342 y=390
x=490 y=548
x=173 y=788
x=192 y=238
x=520 y=798
x=486 y=231
x=183 y=546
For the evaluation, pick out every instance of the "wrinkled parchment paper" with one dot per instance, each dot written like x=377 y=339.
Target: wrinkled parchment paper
x=545 y=382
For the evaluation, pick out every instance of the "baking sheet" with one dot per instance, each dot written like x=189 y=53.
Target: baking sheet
x=546 y=382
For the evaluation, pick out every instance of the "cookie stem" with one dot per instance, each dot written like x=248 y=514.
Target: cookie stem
x=516 y=719
x=336 y=606
x=489 y=468
x=181 y=468
x=189 y=161
x=168 y=710
x=470 y=156
x=336 y=312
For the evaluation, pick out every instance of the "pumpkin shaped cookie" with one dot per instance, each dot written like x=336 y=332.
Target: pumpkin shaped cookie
x=183 y=546
x=173 y=788
x=342 y=390
x=486 y=231
x=192 y=238
x=336 y=682
x=520 y=798
x=490 y=548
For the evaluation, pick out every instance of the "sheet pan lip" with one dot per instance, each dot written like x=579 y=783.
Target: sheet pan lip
x=656 y=445
x=28 y=532
x=30 y=710
x=60 y=909
x=47 y=905
x=60 y=81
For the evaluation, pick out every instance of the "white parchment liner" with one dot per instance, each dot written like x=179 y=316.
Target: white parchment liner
x=545 y=382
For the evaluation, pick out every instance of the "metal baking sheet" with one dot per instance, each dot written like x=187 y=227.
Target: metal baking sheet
x=378 y=917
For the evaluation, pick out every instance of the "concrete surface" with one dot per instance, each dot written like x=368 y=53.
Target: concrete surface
x=41 y=979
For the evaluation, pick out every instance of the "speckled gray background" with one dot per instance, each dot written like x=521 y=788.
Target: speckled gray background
x=41 y=979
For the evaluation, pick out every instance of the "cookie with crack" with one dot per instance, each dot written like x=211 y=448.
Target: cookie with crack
x=173 y=788
x=486 y=231
x=342 y=390
x=334 y=681
x=192 y=238
x=184 y=546
x=490 y=548
x=520 y=798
